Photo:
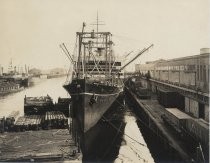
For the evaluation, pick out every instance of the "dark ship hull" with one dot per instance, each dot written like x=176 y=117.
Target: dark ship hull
x=90 y=100
x=102 y=142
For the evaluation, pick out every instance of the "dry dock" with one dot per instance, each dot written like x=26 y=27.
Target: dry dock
x=42 y=145
x=150 y=112
x=133 y=147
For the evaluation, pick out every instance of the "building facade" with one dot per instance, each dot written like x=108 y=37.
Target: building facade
x=190 y=72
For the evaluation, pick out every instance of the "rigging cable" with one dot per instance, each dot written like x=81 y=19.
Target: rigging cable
x=122 y=132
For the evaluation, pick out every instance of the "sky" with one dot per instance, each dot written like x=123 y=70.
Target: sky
x=31 y=30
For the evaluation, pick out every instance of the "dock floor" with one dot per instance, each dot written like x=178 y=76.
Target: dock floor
x=55 y=144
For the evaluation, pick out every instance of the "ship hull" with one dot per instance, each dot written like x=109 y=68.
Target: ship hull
x=90 y=101
x=102 y=141
x=3 y=93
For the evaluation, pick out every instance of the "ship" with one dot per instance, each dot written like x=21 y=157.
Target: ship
x=11 y=83
x=14 y=75
x=95 y=83
x=7 y=87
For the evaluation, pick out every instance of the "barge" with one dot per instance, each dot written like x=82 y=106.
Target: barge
x=38 y=105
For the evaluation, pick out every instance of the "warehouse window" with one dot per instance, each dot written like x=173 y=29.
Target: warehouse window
x=181 y=68
x=201 y=73
x=197 y=72
x=204 y=73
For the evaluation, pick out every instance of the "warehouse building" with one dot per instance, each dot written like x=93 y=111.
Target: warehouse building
x=190 y=73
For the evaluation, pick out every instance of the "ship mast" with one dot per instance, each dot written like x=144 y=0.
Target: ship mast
x=107 y=47
x=79 y=52
x=97 y=25
x=94 y=52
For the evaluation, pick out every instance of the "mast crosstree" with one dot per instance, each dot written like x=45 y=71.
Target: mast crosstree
x=96 y=47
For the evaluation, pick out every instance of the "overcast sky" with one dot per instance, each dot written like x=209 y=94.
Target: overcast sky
x=31 y=30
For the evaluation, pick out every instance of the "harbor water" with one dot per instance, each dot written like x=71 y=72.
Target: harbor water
x=15 y=101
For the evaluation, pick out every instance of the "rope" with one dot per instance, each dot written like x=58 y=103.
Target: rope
x=121 y=131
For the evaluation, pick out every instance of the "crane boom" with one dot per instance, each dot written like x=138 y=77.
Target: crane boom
x=140 y=53
x=68 y=53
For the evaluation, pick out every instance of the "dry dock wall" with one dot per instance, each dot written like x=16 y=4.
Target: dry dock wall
x=191 y=104
x=187 y=105
x=155 y=126
x=194 y=131
x=192 y=108
x=206 y=113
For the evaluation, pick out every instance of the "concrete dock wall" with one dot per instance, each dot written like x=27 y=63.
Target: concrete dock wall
x=155 y=126
x=194 y=109
x=206 y=107
x=187 y=105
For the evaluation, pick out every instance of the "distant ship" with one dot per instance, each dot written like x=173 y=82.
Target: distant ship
x=7 y=87
x=12 y=81
x=14 y=78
